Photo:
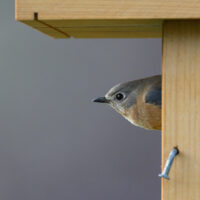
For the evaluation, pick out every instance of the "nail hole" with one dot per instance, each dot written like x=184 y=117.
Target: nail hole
x=176 y=147
x=35 y=15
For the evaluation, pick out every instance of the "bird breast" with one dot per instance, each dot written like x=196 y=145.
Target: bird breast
x=145 y=115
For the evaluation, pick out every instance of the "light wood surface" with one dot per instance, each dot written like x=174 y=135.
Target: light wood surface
x=181 y=108
x=108 y=9
x=104 y=18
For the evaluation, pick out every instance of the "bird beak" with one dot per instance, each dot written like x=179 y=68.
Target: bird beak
x=101 y=100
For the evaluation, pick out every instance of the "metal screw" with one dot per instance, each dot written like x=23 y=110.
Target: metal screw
x=168 y=164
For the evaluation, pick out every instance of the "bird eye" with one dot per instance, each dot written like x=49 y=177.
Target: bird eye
x=119 y=96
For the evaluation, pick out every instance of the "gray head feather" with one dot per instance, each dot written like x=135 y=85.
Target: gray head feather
x=130 y=91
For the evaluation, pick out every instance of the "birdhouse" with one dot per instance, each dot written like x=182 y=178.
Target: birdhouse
x=177 y=23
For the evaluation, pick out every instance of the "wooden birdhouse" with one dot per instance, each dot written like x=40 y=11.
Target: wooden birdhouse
x=177 y=23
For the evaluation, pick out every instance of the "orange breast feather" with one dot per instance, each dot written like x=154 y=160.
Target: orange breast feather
x=145 y=115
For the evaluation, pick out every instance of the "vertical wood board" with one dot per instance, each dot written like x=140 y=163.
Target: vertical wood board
x=181 y=108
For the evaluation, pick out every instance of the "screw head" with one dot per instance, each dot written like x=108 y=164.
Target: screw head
x=164 y=176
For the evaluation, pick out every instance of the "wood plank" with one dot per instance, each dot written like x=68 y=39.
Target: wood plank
x=97 y=23
x=114 y=31
x=138 y=14
x=46 y=29
x=100 y=29
x=115 y=34
x=181 y=108
x=108 y=9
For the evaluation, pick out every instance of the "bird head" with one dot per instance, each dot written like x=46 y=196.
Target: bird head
x=121 y=97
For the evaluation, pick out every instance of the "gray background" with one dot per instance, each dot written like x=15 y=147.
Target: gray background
x=54 y=142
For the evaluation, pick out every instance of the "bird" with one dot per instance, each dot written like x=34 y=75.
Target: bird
x=138 y=101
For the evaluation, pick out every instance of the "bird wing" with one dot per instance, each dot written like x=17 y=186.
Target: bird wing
x=153 y=96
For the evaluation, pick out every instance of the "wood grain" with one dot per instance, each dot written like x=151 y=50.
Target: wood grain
x=115 y=34
x=181 y=108
x=127 y=18
x=98 y=28
x=108 y=9
x=46 y=29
